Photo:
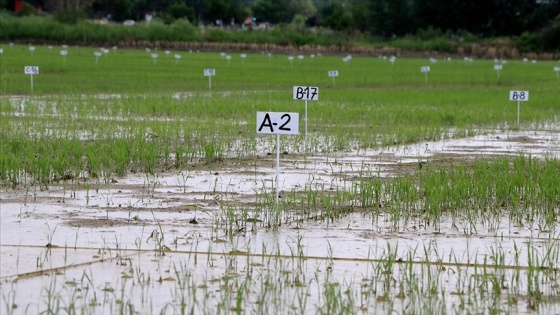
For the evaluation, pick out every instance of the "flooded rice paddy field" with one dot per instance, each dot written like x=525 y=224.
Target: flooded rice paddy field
x=211 y=240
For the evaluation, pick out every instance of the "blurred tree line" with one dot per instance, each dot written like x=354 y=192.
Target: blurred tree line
x=381 y=18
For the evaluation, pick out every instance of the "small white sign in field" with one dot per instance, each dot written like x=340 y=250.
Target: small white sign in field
x=425 y=71
x=518 y=96
x=31 y=70
x=209 y=73
x=333 y=74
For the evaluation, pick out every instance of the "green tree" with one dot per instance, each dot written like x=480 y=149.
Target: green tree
x=390 y=17
x=69 y=11
x=273 y=11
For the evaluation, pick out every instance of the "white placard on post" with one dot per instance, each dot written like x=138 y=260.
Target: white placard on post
x=97 y=54
x=557 y=70
x=277 y=123
x=64 y=53
x=518 y=96
x=209 y=73
x=498 y=68
x=333 y=74
x=306 y=93
x=31 y=70
x=425 y=70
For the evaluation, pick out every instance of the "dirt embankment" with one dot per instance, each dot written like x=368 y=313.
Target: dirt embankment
x=500 y=50
x=503 y=49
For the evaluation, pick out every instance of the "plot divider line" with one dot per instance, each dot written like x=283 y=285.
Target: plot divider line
x=245 y=254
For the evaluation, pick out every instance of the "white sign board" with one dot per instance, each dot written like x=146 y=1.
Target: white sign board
x=306 y=93
x=557 y=69
x=63 y=53
x=209 y=72
x=277 y=123
x=498 y=67
x=333 y=73
x=31 y=70
x=519 y=96
x=425 y=69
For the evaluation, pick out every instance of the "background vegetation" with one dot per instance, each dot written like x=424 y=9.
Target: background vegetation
x=530 y=25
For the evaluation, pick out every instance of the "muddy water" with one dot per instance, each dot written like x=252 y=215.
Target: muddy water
x=97 y=244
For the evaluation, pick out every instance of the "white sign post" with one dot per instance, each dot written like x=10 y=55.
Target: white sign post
x=306 y=93
x=31 y=70
x=518 y=96
x=498 y=68
x=154 y=56
x=177 y=57
x=291 y=59
x=425 y=70
x=31 y=50
x=557 y=70
x=277 y=123
x=209 y=73
x=243 y=56
x=333 y=74
x=63 y=53
x=97 y=55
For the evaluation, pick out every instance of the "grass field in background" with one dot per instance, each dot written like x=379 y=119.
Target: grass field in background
x=109 y=107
